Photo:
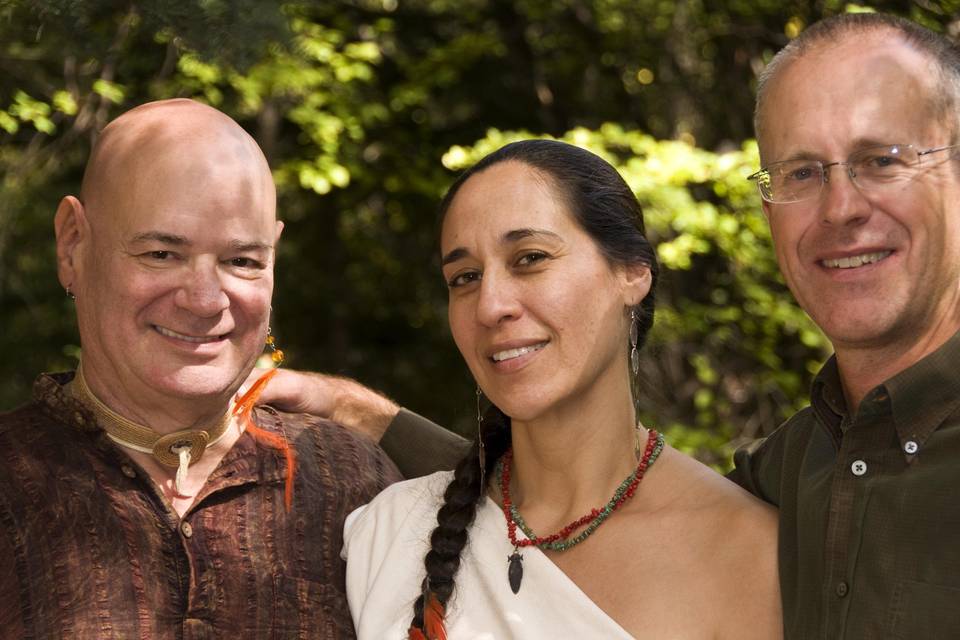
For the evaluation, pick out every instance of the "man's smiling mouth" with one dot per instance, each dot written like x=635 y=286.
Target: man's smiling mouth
x=851 y=262
x=179 y=336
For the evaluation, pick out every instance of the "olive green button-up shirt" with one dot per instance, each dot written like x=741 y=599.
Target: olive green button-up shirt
x=869 y=506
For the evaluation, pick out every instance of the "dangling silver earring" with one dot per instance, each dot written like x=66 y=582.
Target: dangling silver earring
x=635 y=378
x=70 y=293
x=482 y=455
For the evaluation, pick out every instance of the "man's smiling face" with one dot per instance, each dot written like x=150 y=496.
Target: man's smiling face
x=175 y=282
x=873 y=268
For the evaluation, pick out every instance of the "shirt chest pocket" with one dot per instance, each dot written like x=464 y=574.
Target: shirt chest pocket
x=924 y=610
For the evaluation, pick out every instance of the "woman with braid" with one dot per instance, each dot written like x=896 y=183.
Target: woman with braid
x=568 y=519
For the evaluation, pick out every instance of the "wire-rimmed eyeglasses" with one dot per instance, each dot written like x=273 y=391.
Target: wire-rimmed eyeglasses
x=870 y=169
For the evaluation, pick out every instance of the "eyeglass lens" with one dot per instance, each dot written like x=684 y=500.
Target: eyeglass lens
x=871 y=168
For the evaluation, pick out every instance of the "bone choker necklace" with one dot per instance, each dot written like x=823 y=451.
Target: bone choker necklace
x=179 y=449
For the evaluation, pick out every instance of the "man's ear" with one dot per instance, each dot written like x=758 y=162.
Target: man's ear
x=766 y=209
x=637 y=280
x=276 y=238
x=72 y=231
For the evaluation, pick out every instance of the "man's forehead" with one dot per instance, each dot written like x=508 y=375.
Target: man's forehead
x=840 y=94
x=243 y=243
x=169 y=167
x=176 y=196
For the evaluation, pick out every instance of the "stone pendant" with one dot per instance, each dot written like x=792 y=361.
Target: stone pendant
x=515 y=571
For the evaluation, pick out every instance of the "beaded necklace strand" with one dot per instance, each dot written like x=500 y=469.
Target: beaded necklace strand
x=561 y=540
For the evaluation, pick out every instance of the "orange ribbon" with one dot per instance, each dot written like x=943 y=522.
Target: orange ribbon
x=244 y=409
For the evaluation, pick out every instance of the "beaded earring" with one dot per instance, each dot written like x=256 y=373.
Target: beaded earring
x=70 y=293
x=275 y=354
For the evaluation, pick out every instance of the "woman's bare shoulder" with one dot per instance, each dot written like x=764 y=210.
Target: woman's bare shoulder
x=699 y=486
x=738 y=538
x=726 y=514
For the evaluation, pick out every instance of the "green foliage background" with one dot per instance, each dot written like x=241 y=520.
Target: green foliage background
x=367 y=108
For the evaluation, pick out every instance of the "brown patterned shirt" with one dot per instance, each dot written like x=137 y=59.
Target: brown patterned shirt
x=89 y=548
x=869 y=508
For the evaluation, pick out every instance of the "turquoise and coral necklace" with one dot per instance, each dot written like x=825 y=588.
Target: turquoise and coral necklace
x=562 y=540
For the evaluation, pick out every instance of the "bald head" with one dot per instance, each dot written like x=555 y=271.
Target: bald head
x=166 y=140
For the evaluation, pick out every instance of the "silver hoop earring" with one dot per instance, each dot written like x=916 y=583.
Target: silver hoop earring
x=70 y=293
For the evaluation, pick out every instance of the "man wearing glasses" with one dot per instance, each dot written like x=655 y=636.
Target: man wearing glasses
x=857 y=123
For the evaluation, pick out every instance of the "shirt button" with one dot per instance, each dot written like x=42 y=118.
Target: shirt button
x=128 y=471
x=842 y=589
x=859 y=467
x=911 y=447
x=186 y=529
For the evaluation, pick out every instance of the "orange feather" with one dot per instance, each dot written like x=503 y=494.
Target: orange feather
x=415 y=634
x=244 y=409
x=433 y=619
x=433 y=628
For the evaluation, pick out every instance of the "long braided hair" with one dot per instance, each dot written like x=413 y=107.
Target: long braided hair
x=605 y=207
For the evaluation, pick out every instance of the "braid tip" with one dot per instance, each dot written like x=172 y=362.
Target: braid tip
x=415 y=634
x=433 y=619
x=433 y=628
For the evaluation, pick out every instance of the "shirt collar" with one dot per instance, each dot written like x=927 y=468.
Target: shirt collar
x=247 y=460
x=924 y=395
x=826 y=398
x=920 y=397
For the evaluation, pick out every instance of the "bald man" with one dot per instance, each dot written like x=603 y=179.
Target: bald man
x=134 y=503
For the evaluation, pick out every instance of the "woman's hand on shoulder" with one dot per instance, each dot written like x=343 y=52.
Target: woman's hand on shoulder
x=341 y=400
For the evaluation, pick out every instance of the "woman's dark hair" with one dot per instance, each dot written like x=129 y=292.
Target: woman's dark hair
x=605 y=207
